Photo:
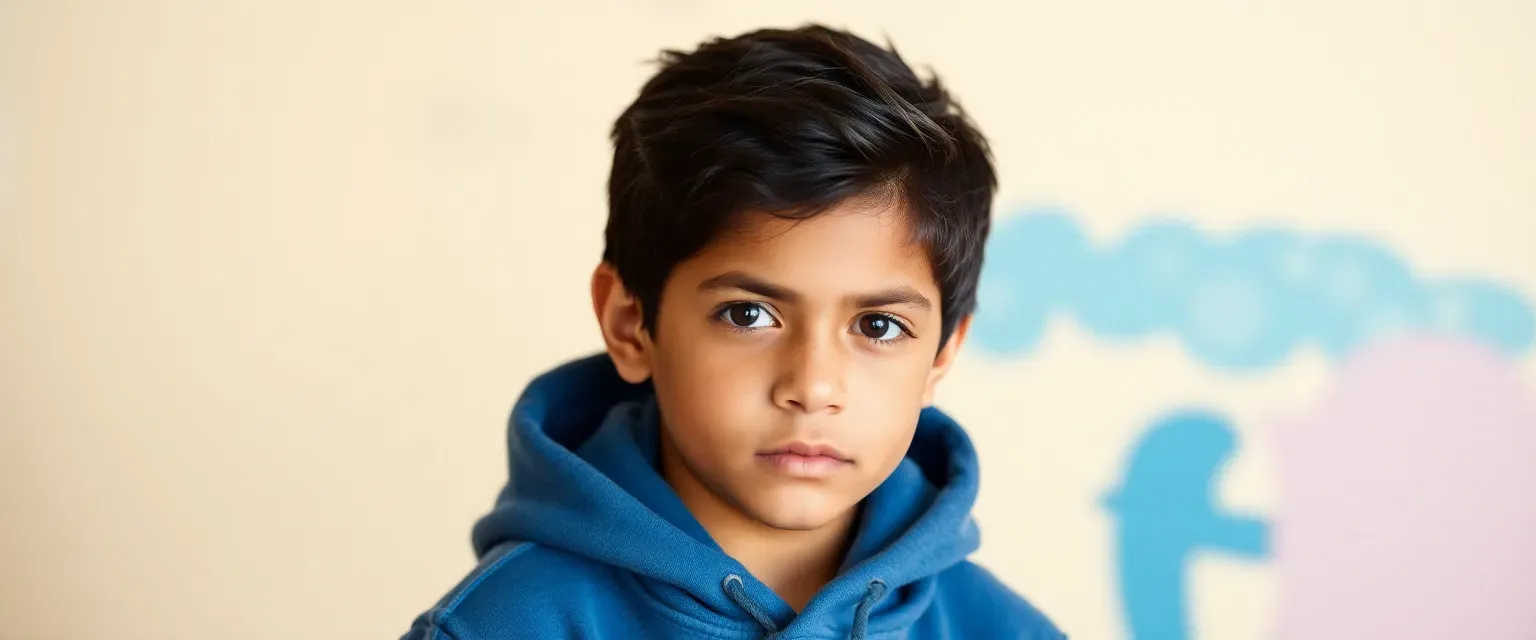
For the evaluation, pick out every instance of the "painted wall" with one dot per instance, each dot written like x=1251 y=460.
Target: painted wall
x=1255 y=357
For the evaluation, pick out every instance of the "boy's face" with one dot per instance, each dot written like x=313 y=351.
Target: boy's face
x=791 y=360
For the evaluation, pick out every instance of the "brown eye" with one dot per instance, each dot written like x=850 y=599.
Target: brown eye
x=747 y=315
x=876 y=326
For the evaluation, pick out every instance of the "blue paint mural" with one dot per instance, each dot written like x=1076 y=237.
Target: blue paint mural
x=1242 y=303
x=1165 y=512
x=1238 y=303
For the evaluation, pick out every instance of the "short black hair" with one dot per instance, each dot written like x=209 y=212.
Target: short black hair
x=792 y=122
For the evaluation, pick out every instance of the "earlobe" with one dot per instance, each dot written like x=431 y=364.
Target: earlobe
x=620 y=318
x=945 y=359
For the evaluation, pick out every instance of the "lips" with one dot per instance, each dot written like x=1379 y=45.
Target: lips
x=804 y=460
x=812 y=450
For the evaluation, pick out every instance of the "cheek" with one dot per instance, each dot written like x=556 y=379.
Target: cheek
x=712 y=399
x=887 y=398
x=891 y=382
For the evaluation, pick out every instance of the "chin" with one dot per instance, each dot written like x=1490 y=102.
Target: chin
x=797 y=509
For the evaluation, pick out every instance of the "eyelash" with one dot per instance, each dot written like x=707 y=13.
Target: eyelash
x=906 y=331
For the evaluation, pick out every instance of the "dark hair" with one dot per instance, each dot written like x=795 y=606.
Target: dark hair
x=792 y=122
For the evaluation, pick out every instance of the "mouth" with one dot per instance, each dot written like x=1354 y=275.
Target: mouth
x=803 y=460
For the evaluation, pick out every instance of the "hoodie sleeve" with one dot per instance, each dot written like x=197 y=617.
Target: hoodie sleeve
x=425 y=627
x=987 y=608
x=440 y=622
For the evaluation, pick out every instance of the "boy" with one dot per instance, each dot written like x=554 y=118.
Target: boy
x=794 y=238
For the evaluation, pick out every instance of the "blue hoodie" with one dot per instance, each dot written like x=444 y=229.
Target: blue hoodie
x=588 y=541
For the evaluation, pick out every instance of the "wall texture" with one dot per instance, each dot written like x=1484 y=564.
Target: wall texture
x=1255 y=359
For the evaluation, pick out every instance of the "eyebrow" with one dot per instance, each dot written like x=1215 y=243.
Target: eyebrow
x=899 y=295
x=740 y=280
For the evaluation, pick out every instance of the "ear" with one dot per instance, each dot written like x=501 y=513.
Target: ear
x=946 y=359
x=619 y=316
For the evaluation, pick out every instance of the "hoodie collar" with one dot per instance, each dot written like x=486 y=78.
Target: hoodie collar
x=584 y=478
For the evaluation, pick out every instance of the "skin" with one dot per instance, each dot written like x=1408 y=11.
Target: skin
x=825 y=332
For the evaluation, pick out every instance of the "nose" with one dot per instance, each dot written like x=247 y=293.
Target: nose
x=811 y=379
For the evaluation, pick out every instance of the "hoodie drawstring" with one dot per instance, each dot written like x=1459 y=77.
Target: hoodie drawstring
x=861 y=614
x=738 y=593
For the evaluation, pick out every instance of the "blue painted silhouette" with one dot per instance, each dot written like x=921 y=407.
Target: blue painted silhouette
x=1237 y=303
x=1165 y=513
x=1243 y=302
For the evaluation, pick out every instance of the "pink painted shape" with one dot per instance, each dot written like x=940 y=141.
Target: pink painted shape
x=1408 y=500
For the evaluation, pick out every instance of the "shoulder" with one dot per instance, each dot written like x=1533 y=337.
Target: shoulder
x=516 y=589
x=975 y=596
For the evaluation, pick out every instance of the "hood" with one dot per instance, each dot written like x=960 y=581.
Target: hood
x=582 y=447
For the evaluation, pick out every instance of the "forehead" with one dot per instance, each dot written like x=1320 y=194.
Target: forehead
x=853 y=245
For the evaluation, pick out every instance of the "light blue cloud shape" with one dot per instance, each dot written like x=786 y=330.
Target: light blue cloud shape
x=1240 y=302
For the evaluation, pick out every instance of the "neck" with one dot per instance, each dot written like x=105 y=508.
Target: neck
x=796 y=564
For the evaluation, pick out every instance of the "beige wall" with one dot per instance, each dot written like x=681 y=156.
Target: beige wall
x=271 y=274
